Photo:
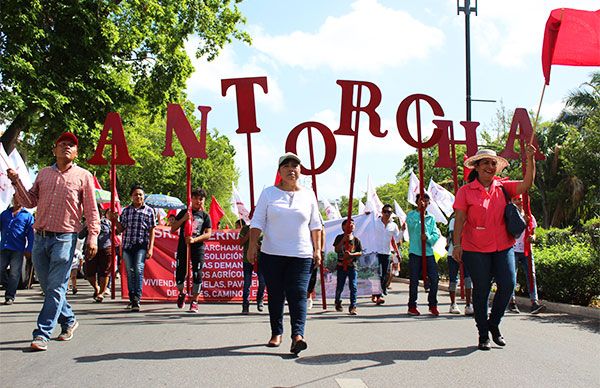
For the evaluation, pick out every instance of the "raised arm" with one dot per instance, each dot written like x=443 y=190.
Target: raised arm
x=527 y=181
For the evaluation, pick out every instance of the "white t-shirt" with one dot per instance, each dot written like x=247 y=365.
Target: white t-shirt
x=383 y=236
x=286 y=219
x=519 y=243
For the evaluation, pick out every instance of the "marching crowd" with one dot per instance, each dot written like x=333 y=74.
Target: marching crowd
x=283 y=244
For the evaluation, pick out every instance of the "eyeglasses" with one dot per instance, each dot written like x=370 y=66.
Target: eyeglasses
x=386 y=211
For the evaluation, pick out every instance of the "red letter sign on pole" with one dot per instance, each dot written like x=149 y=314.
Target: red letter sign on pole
x=402 y=122
x=330 y=151
x=193 y=148
x=119 y=155
x=246 y=108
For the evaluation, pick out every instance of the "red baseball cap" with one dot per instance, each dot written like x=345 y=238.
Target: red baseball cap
x=67 y=136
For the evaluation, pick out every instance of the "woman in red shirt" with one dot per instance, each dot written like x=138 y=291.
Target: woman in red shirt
x=481 y=238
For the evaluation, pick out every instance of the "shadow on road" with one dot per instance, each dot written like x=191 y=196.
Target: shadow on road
x=587 y=324
x=184 y=354
x=381 y=358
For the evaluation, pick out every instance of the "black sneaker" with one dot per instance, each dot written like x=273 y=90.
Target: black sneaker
x=135 y=307
x=245 y=308
x=513 y=308
x=338 y=306
x=537 y=308
x=484 y=344
x=260 y=306
x=181 y=300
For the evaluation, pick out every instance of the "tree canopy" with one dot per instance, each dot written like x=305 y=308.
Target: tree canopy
x=64 y=65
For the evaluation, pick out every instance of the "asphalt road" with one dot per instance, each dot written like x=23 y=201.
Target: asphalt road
x=381 y=347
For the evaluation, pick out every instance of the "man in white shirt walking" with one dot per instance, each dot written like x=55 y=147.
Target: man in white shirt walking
x=385 y=231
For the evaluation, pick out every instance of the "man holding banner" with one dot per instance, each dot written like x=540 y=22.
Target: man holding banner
x=201 y=231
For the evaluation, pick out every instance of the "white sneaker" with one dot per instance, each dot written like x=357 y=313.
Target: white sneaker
x=469 y=310
x=309 y=304
x=454 y=309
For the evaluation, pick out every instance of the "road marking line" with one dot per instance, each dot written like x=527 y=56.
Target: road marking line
x=351 y=383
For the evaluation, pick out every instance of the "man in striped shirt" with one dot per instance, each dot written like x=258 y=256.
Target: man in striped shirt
x=63 y=193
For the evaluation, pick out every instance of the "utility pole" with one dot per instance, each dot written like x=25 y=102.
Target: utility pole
x=467 y=9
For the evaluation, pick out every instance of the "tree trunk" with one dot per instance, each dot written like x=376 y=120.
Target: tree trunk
x=20 y=123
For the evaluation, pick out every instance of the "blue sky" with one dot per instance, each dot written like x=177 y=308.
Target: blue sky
x=402 y=46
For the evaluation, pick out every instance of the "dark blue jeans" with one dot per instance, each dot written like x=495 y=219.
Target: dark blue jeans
x=350 y=273
x=135 y=259
x=248 y=269
x=286 y=278
x=52 y=257
x=415 y=264
x=384 y=267
x=485 y=267
x=14 y=259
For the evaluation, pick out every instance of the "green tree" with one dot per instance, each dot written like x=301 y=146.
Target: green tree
x=65 y=64
x=167 y=175
x=582 y=103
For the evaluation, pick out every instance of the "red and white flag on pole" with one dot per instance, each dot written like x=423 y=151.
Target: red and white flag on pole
x=572 y=37
x=330 y=211
x=442 y=197
x=373 y=203
x=433 y=208
x=237 y=206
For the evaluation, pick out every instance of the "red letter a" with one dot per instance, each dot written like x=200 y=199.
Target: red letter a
x=121 y=157
x=522 y=123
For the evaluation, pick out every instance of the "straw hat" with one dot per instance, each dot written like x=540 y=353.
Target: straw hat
x=486 y=154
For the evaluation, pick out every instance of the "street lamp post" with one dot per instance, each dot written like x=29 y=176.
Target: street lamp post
x=467 y=9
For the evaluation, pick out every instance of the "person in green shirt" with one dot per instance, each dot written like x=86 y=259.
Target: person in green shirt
x=415 y=258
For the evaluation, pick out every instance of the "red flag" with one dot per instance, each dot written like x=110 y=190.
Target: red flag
x=572 y=37
x=216 y=212
x=466 y=170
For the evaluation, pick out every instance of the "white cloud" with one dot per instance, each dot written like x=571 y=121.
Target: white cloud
x=551 y=110
x=371 y=37
x=207 y=76
x=508 y=32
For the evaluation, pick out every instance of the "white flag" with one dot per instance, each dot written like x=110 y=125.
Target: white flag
x=6 y=189
x=413 y=189
x=361 y=207
x=330 y=211
x=402 y=218
x=21 y=168
x=337 y=210
x=442 y=197
x=433 y=209
x=240 y=210
x=373 y=204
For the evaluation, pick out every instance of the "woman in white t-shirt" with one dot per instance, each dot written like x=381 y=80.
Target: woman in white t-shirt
x=288 y=216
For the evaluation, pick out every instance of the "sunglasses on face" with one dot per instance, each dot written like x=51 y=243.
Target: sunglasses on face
x=386 y=211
